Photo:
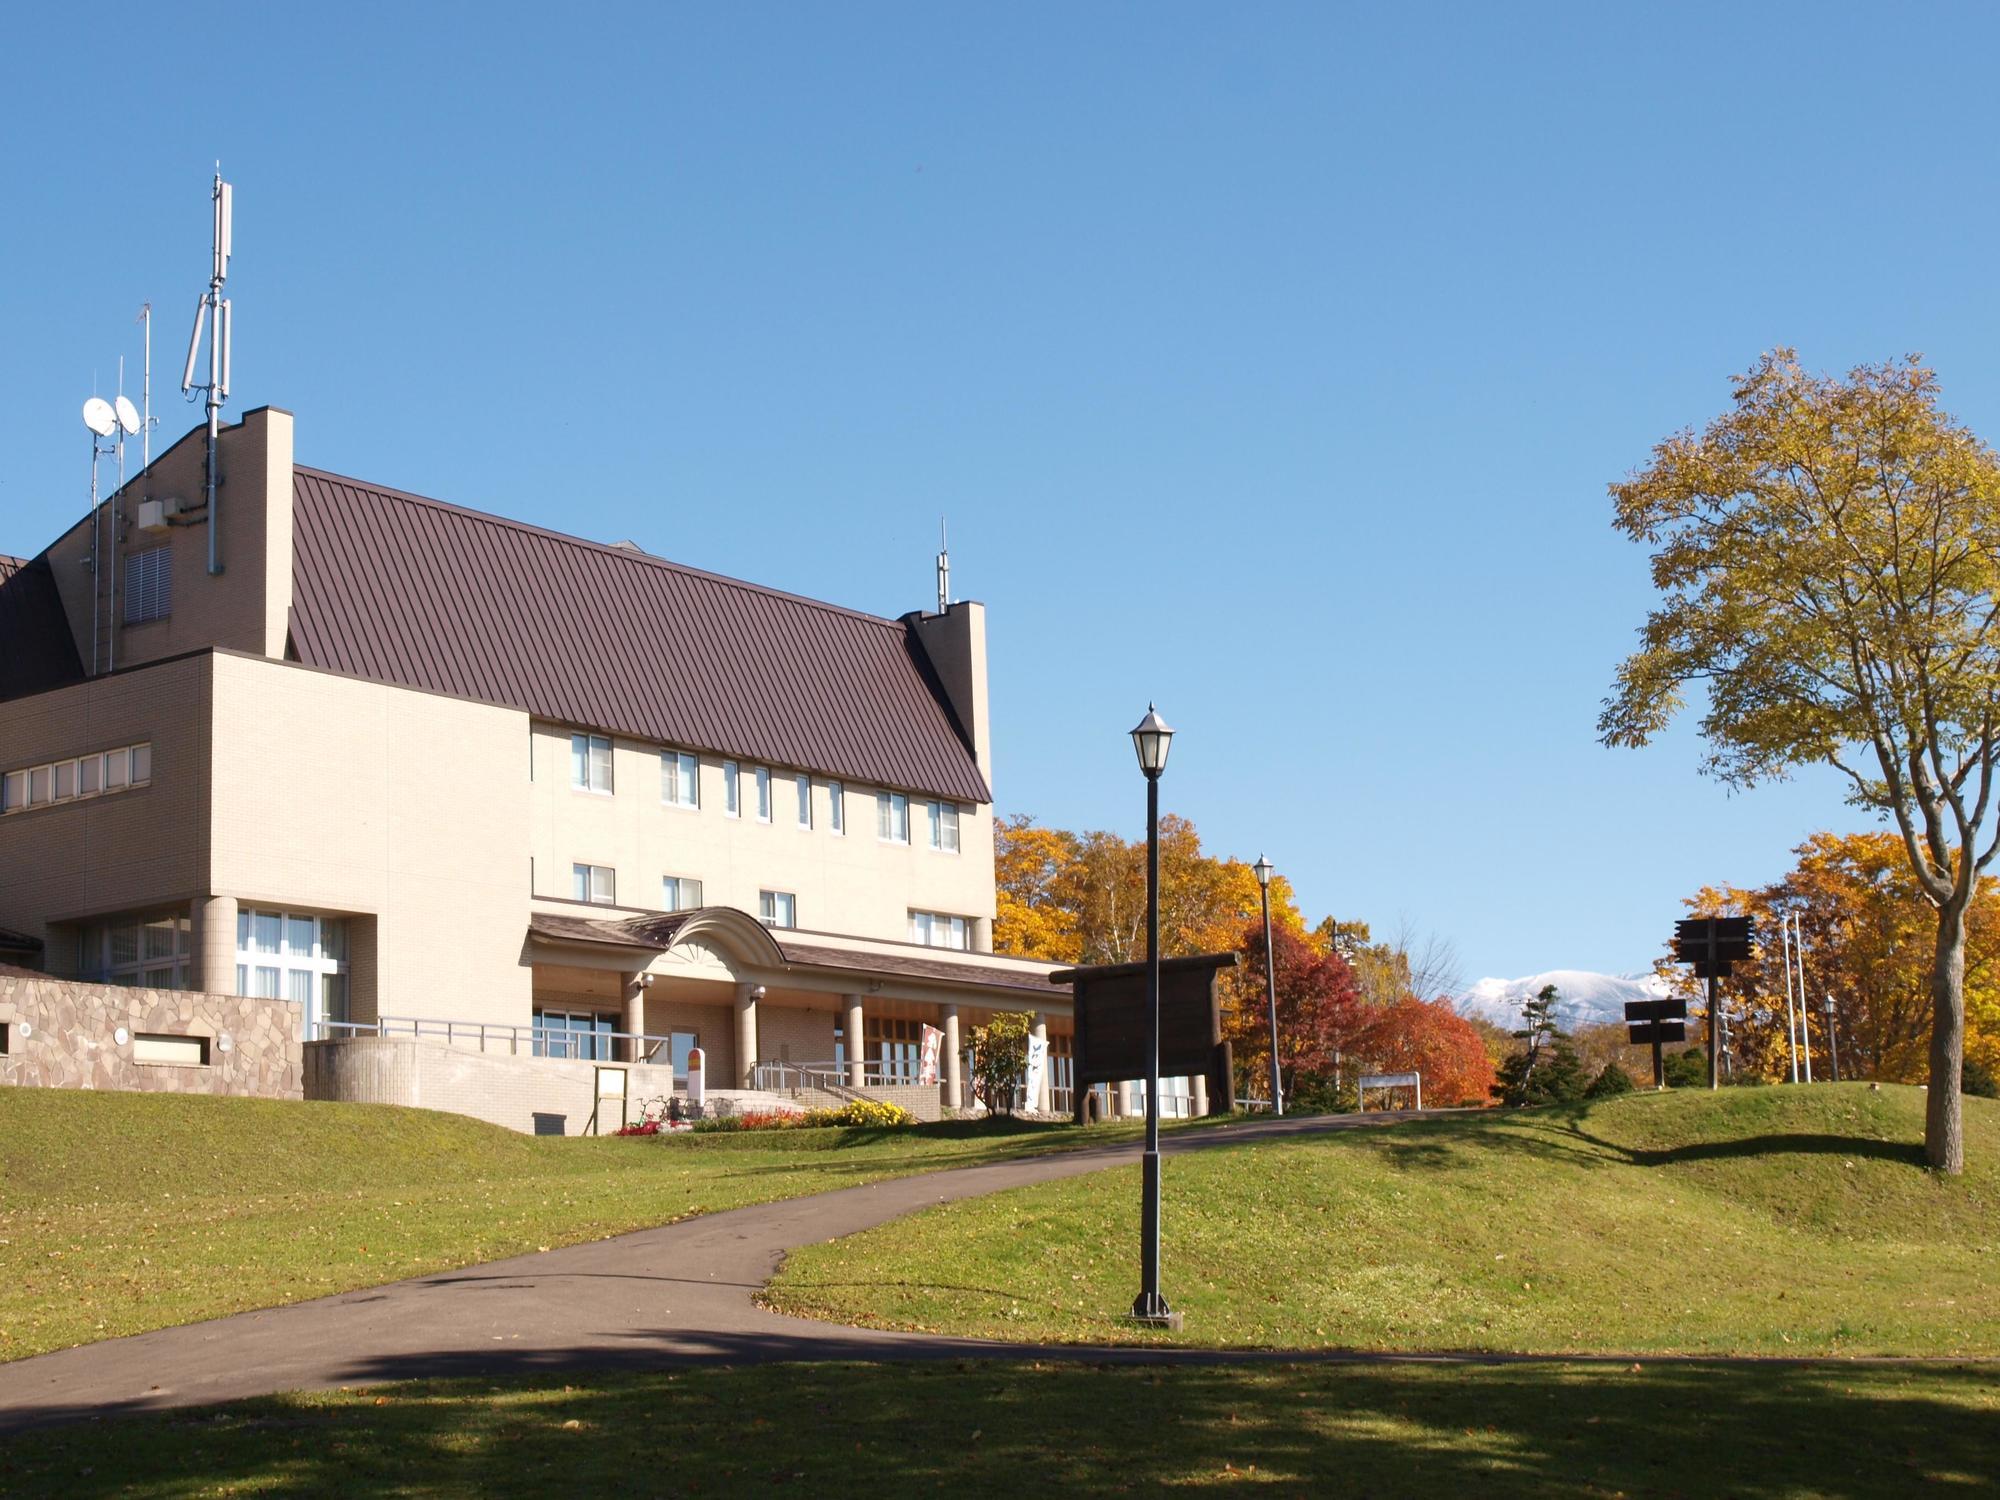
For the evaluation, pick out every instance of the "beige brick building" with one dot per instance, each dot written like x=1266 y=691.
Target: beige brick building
x=422 y=770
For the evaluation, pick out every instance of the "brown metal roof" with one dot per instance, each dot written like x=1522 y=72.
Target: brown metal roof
x=403 y=589
x=658 y=932
x=37 y=651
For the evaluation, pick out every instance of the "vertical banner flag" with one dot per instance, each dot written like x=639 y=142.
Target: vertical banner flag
x=1038 y=1064
x=927 y=1071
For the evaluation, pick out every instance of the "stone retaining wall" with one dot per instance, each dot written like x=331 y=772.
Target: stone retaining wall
x=59 y=1033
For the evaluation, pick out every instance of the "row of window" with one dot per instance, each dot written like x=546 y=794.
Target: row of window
x=680 y=786
x=598 y=884
x=72 y=780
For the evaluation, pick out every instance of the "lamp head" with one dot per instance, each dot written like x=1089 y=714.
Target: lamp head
x=1263 y=869
x=1152 y=737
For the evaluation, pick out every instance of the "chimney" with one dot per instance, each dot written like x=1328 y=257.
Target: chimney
x=954 y=642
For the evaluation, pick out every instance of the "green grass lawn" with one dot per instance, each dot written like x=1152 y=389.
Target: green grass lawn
x=886 y=1430
x=1775 y=1220
x=126 y=1212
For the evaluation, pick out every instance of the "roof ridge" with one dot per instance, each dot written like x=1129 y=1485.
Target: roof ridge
x=610 y=549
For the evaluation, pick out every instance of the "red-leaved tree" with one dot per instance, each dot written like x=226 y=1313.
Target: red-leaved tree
x=1429 y=1037
x=1320 y=1010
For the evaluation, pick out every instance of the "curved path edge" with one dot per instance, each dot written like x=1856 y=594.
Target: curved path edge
x=679 y=1294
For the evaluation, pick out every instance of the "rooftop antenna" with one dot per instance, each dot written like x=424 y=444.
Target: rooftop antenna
x=213 y=310
x=102 y=420
x=146 y=418
x=943 y=569
x=128 y=423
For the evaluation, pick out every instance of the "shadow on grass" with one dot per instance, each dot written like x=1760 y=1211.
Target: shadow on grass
x=1558 y=1135
x=513 y=1426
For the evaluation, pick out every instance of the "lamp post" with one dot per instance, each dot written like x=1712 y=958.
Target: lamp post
x=1152 y=739
x=1832 y=1041
x=1263 y=869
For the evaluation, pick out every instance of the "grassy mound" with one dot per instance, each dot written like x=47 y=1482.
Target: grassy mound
x=125 y=1212
x=1779 y=1220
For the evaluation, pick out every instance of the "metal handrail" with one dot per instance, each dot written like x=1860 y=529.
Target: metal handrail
x=493 y=1036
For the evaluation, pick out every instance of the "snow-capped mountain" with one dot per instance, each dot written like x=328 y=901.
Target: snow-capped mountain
x=1586 y=998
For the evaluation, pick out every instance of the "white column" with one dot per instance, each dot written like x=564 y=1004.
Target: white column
x=747 y=996
x=212 y=937
x=1040 y=1103
x=857 y=1055
x=1121 y=1100
x=1198 y=1088
x=954 y=1065
x=635 y=1016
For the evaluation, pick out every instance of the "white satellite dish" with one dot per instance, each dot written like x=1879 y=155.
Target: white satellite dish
x=128 y=414
x=99 y=417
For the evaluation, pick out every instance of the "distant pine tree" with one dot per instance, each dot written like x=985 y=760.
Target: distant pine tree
x=1613 y=1080
x=1546 y=1070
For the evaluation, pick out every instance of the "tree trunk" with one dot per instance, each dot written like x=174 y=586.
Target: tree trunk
x=1944 y=1118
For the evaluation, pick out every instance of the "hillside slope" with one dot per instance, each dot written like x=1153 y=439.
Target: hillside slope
x=1779 y=1220
x=124 y=1212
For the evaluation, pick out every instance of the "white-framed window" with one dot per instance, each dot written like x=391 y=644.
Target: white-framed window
x=778 y=908
x=594 y=883
x=732 y=790
x=679 y=893
x=944 y=826
x=680 y=779
x=286 y=955
x=155 y=952
x=836 y=807
x=892 y=817
x=77 y=778
x=805 y=785
x=573 y=1034
x=937 y=929
x=763 y=794
x=590 y=762
x=149 y=585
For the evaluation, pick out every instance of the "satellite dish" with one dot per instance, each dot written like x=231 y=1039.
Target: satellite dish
x=99 y=417
x=128 y=414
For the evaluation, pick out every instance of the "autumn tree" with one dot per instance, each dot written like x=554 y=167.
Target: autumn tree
x=1081 y=898
x=1828 y=552
x=1429 y=1037
x=1320 y=1010
x=1868 y=927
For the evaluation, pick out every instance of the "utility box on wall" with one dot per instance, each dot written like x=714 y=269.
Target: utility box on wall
x=1111 y=1026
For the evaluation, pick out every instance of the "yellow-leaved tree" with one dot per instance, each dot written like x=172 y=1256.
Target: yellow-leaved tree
x=1828 y=552
x=1869 y=928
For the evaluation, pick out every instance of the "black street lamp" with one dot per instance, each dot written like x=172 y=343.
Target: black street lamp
x=1263 y=869
x=1152 y=739
x=1832 y=1041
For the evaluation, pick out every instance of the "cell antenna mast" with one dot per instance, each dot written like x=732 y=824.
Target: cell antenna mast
x=943 y=569
x=212 y=311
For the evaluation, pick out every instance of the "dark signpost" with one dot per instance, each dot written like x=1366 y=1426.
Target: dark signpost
x=1110 y=1009
x=1658 y=1022
x=1711 y=945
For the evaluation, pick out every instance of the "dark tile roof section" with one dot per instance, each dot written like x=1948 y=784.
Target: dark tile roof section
x=402 y=589
x=36 y=650
x=658 y=932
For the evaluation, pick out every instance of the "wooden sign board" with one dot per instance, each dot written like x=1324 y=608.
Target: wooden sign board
x=1645 y=1033
x=1111 y=1023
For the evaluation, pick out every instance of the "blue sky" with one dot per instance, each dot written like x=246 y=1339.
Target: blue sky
x=1268 y=361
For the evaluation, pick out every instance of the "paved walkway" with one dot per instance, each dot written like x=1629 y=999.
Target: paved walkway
x=680 y=1293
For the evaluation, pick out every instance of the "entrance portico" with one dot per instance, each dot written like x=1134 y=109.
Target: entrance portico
x=767 y=1005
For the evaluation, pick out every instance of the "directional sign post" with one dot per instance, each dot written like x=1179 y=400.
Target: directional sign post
x=1711 y=945
x=1658 y=1022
